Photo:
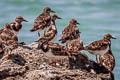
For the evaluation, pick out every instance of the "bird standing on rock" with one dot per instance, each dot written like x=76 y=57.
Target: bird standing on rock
x=100 y=47
x=42 y=22
x=8 y=33
x=51 y=34
x=107 y=60
x=15 y=26
x=53 y=51
x=70 y=32
x=71 y=36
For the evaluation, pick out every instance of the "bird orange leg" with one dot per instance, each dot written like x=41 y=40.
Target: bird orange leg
x=53 y=63
x=9 y=55
x=39 y=34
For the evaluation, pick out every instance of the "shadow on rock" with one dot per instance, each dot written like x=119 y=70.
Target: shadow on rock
x=18 y=59
x=4 y=74
x=81 y=61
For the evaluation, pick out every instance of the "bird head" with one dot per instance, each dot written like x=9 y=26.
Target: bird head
x=54 y=17
x=20 y=19
x=73 y=21
x=48 y=10
x=108 y=36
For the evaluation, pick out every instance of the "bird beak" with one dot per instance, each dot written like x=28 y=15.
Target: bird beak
x=78 y=23
x=59 y=18
x=114 y=38
x=25 y=20
x=52 y=11
x=60 y=40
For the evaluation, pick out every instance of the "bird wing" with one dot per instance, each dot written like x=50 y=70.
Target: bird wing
x=8 y=35
x=65 y=34
x=108 y=60
x=57 y=50
x=98 y=45
x=41 y=22
x=70 y=33
x=48 y=35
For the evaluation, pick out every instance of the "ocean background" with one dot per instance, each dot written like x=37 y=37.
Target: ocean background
x=96 y=18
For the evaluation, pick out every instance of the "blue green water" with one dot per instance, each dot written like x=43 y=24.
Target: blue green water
x=97 y=17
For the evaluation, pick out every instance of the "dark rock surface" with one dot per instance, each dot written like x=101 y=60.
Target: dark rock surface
x=29 y=63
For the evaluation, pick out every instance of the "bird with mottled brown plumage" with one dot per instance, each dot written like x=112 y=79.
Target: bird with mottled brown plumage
x=51 y=34
x=100 y=47
x=51 y=49
x=42 y=22
x=107 y=60
x=17 y=25
x=8 y=34
x=70 y=32
x=10 y=31
x=74 y=46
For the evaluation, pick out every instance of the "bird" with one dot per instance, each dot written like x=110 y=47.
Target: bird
x=8 y=33
x=100 y=47
x=74 y=47
x=42 y=22
x=108 y=60
x=70 y=32
x=17 y=25
x=53 y=51
x=51 y=34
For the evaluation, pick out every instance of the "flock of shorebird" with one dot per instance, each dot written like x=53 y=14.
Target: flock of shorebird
x=70 y=36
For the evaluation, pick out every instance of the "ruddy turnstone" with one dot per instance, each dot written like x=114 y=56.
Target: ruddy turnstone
x=14 y=26
x=55 y=52
x=70 y=32
x=51 y=34
x=51 y=49
x=100 y=47
x=108 y=60
x=74 y=46
x=42 y=22
x=8 y=34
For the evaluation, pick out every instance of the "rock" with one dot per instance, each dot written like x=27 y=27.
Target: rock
x=29 y=63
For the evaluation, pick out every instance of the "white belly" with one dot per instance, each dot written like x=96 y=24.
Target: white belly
x=49 y=53
x=54 y=39
x=101 y=52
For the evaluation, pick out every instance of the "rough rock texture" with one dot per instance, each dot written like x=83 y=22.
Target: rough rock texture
x=29 y=63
